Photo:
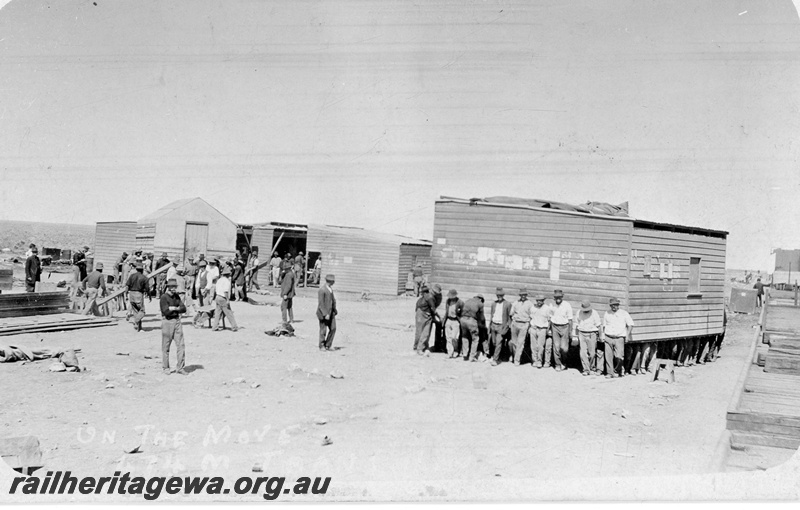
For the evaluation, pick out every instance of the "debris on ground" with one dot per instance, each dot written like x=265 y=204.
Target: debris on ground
x=255 y=385
x=622 y=413
x=647 y=423
x=320 y=421
x=625 y=455
x=326 y=441
x=110 y=386
x=281 y=330
x=336 y=374
x=135 y=449
x=257 y=468
x=57 y=367
x=123 y=354
x=238 y=380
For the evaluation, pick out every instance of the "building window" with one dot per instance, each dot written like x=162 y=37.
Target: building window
x=694 y=275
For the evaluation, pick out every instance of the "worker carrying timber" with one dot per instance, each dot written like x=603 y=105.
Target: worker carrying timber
x=171 y=328
x=95 y=285
x=137 y=288
x=326 y=313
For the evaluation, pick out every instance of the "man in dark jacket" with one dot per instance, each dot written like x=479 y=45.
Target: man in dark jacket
x=161 y=278
x=326 y=313
x=498 y=328
x=426 y=315
x=137 y=288
x=171 y=329
x=33 y=270
x=471 y=318
x=287 y=293
x=452 y=323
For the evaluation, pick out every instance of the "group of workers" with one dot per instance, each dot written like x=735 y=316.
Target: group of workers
x=554 y=331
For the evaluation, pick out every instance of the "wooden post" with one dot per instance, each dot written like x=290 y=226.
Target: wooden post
x=305 y=272
x=795 y=293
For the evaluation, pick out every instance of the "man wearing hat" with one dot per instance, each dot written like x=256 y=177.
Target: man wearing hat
x=426 y=314
x=120 y=271
x=520 y=323
x=137 y=288
x=417 y=275
x=93 y=282
x=201 y=281
x=471 y=318
x=33 y=270
x=541 y=344
x=452 y=322
x=587 y=325
x=299 y=268
x=222 y=299
x=499 y=326
x=171 y=329
x=161 y=278
x=560 y=328
x=288 y=288
x=617 y=328
x=275 y=269
x=79 y=263
x=326 y=313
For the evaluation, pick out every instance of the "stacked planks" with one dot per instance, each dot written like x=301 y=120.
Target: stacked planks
x=52 y=322
x=767 y=411
x=33 y=303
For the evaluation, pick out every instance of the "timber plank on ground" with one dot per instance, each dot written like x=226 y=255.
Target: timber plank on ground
x=54 y=322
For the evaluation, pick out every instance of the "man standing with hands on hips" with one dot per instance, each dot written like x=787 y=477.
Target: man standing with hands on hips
x=326 y=313
x=171 y=329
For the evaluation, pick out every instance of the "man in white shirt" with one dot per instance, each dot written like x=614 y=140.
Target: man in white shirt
x=223 y=294
x=520 y=323
x=617 y=327
x=212 y=274
x=275 y=267
x=541 y=344
x=587 y=326
x=560 y=328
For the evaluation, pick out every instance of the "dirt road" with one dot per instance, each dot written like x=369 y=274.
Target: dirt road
x=393 y=416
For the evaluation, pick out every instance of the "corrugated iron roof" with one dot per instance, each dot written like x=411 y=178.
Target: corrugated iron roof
x=370 y=234
x=601 y=209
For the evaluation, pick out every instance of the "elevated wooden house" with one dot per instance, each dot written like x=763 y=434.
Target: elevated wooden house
x=669 y=277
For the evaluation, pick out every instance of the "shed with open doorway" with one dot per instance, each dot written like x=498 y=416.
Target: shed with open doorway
x=670 y=278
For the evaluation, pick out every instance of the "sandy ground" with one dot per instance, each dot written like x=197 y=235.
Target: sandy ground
x=394 y=416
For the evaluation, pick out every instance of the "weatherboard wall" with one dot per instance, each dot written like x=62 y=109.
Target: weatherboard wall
x=111 y=239
x=479 y=248
x=359 y=263
x=661 y=302
x=262 y=237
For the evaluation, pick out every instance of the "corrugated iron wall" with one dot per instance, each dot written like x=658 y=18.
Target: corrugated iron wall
x=359 y=263
x=478 y=248
x=410 y=255
x=145 y=237
x=111 y=239
x=660 y=303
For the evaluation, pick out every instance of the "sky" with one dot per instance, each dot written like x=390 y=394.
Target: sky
x=364 y=112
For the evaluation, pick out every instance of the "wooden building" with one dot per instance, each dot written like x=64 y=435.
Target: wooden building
x=185 y=228
x=362 y=260
x=669 y=277
x=112 y=238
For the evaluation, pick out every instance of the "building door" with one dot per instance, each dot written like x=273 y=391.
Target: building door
x=195 y=241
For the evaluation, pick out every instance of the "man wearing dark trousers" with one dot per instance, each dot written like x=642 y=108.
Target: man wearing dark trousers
x=287 y=293
x=326 y=313
x=499 y=327
x=425 y=316
x=471 y=317
x=560 y=328
x=137 y=288
x=617 y=328
x=171 y=329
x=33 y=270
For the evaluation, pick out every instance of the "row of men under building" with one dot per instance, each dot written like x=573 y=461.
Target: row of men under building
x=553 y=331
